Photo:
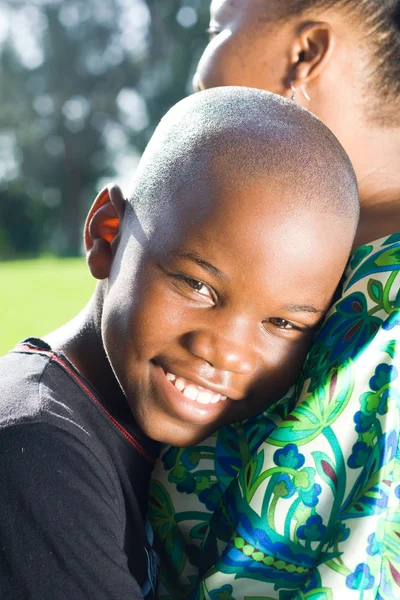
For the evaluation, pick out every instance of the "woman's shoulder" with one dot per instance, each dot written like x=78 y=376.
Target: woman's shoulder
x=366 y=309
x=384 y=251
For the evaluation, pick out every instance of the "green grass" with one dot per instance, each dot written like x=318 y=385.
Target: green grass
x=38 y=296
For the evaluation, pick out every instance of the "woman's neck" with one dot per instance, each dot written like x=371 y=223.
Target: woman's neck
x=376 y=159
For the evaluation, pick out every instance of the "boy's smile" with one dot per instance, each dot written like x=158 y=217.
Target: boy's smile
x=193 y=391
x=188 y=400
x=211 y=319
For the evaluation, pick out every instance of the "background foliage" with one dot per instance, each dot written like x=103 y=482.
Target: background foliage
x=82 y=85
x=39 y=295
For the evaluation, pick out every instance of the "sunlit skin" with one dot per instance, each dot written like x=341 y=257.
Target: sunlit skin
x=330 y=55
x=225 y=303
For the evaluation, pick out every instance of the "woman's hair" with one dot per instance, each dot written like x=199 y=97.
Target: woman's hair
x=381 y=21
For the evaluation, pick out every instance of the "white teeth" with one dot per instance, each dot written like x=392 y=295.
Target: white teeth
x=193 y=391
x=180 y=384
x=206 y=398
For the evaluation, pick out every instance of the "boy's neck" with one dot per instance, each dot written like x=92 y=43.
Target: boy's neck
x=80 y=341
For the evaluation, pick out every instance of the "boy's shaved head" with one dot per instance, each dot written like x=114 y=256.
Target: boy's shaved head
x=239 y=227
x=243 y=134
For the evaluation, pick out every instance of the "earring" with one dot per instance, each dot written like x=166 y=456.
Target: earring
x=305 y=94
x=293 y=96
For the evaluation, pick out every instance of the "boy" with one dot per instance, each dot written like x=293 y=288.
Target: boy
x=213 y=278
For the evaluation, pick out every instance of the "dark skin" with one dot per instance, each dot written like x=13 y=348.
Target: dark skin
x=330 y=56
x=233 y=314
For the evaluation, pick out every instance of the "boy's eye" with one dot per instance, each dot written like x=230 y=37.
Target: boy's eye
x=200 y=287
x=282 y=323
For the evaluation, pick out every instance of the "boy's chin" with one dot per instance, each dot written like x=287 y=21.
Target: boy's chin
x=181 y=435
x=185 y=441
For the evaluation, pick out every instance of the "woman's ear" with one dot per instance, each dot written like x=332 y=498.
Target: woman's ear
x=311 y=53
x=102 y=230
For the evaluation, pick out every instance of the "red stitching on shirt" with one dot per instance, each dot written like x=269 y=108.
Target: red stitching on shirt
x=57 y=359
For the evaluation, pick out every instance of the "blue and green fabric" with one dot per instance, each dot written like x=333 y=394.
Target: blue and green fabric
x=303 y=501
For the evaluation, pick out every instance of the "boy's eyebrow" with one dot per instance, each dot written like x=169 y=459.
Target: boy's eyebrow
x=304 y=308
x=194 y=257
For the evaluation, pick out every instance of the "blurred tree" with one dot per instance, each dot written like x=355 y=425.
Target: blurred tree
x=178 y=38
x=83 y=83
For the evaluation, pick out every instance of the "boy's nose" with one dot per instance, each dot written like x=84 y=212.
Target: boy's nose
x=225 y=353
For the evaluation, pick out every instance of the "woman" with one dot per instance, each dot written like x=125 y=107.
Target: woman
x=304 y=501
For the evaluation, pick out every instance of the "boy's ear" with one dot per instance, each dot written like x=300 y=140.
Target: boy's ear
x=102 y=228
x=311 y=52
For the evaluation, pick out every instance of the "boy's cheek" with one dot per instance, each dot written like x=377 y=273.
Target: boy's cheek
x=282 y=371
x=160 y=321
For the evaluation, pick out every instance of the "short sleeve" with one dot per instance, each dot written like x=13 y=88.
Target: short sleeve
x=61 y=526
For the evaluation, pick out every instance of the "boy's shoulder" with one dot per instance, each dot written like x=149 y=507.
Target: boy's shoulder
x=22 y=373
x=37 y=386
x=40 y=386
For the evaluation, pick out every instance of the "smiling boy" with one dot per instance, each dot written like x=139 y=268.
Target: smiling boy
x=213 y=278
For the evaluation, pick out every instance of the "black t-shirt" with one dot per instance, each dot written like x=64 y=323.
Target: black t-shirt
x=73 y=486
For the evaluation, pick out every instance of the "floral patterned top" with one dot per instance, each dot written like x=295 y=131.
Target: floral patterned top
x=303 y=501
